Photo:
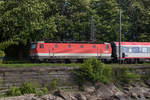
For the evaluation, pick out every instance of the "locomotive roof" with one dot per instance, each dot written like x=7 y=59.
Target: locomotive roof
x=133 y=43
x=86 y=42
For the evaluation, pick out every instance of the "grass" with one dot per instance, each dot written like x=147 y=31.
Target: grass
x=128 y=65
x=65 y=65
x=41 y=65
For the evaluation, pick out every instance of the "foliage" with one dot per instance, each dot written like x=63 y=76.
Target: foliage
x=26 y=88
x=2 y=54
x=94 y=70
x=107 y=20
x=24 y=21
x=14 y=92
x=54 y=84
x=45 y=90
x=129 y=77
x=138 y=12
x=42 y=91
x=124 y=75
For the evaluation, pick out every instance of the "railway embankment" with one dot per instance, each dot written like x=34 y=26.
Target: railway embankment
x=44 y=76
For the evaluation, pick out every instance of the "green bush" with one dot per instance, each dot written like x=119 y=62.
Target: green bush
x=126 y=76
x=26 y=88
x=14 y=92
x=94 y=70
x=45 y=90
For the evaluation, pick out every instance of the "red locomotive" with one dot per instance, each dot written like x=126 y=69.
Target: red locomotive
x=47 y=51
x=130 y=51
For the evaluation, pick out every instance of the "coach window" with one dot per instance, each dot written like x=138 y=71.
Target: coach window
x=135 y=50
x=41 y=46
x=130 y=50
x=81 y=46
x=56 y=46
x=125 y=49
x=107 y=47
x=144 y=50
x=69 y=46
x=94 y=46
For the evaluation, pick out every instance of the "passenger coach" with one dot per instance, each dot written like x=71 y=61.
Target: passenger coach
x=132 y=51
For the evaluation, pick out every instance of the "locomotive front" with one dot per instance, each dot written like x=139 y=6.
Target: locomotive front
x=34 y=53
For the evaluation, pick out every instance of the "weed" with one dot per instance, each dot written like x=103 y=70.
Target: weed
x=54 y=84
x=45 y=90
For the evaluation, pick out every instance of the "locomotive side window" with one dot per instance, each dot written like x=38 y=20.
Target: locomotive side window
x=94 y=46
x=107 y=47
x=41 y=46
x=81 y=46
x=144 y=50
x=56 y=46
x=135 y=49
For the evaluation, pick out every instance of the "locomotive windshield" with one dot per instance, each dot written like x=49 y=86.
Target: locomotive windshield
x=33 y=46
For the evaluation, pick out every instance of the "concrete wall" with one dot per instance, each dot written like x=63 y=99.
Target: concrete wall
x=42 y=75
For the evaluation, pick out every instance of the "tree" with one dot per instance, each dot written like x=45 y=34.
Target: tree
x=139 y=16
x=73 y=20
x=24 y=21
x=107 y=20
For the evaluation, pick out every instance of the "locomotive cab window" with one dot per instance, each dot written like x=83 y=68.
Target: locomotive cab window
x=41 y=46
x=33 y=46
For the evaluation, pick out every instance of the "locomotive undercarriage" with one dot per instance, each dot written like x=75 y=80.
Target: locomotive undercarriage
x=68 y=59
